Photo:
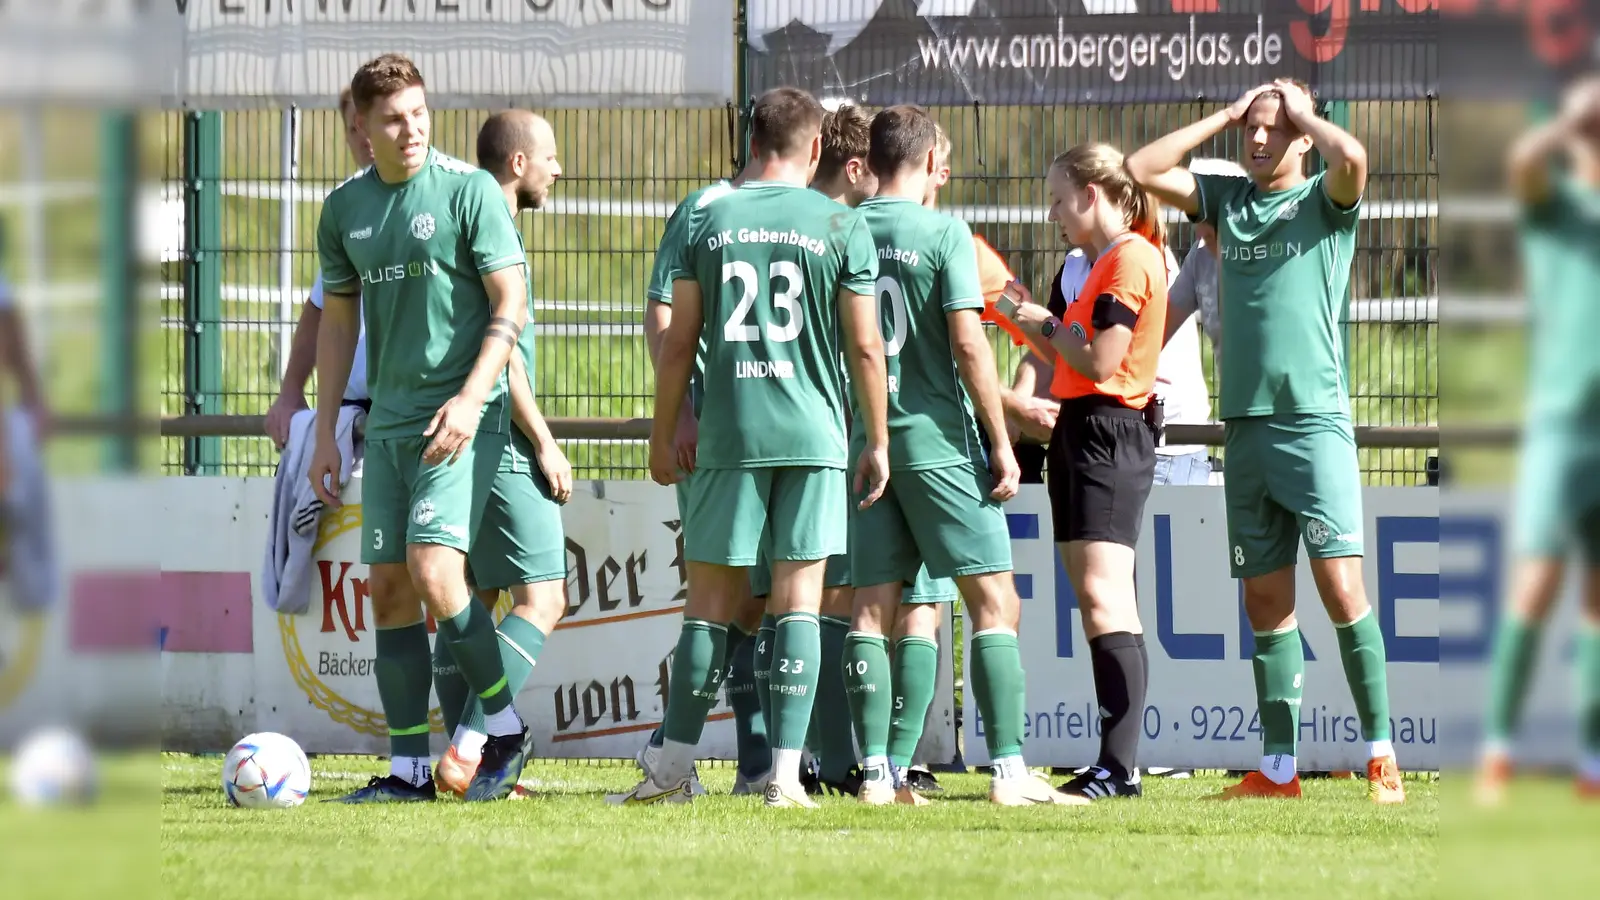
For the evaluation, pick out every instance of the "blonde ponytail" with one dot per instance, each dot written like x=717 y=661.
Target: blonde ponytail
x=1103 y=166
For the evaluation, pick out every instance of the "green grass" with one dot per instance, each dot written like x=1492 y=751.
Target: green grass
x=568 y=843
x=1540 y=844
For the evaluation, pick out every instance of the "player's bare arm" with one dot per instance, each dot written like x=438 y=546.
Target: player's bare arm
x=975 y=365
x=673 y=369
x=1528 y=162
x=296 y=372
x=1346 y=159
x=455 y=423
x=863 y=353
x=657 y=318
x=1158 y=166
x=526 y=415
x=336 y=337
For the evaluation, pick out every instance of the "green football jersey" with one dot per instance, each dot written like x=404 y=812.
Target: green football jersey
x=927 y=267
x=1285 y=267
x=770 y=260
x=670 y=248
x=1561 y=267
x=417 y=253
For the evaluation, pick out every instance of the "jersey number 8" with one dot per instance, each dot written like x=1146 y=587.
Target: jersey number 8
x=735 y=330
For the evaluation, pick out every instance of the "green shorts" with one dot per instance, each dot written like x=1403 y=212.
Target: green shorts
x=520 y=540
x=406 y=501
x=941 y=520
x=1558 y=492
x=1289 y=478
x=796 y=512
x=927 y=589
x=837 y=574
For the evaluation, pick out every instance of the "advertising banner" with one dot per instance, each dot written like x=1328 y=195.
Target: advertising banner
x=1201 y=708
x=1036 y=52
x=473 y=53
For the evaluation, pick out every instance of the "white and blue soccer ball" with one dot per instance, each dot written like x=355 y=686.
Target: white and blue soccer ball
x=52 y=767
x=266 y=771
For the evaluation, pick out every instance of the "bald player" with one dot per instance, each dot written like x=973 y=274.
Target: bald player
x=520 y=547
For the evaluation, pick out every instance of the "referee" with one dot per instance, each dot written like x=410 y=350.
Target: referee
x=1102 y=454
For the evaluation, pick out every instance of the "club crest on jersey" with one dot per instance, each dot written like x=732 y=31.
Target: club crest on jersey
x=1317 y=533
x=422 y=226
x=1289 y=211
x=422 y=513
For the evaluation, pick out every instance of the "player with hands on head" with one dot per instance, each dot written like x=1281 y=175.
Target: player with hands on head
x=1293 y=476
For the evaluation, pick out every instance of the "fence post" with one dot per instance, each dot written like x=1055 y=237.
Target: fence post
x=744 y=103
x=202 y=295
x=119 y=361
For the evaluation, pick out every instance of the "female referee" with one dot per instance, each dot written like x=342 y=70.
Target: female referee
x=1102 y=454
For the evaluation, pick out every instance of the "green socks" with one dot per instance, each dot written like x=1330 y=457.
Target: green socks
x=834 y=744
x=1280 y=669
x=750 y=727
x=916 y=669
x=997 y=685
x=761 y=665
x=454 y=695
x=470 y=635
x=869 y=691
x=402 y=669
x=1361 y=649
x=696 y=678
x=796 y=656
x=1589 y=689
x=520 y=643
x=1516 y=649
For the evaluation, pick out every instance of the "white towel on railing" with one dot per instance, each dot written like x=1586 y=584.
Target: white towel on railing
x=296 y=510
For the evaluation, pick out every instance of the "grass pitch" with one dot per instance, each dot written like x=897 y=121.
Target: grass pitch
x=568 y=843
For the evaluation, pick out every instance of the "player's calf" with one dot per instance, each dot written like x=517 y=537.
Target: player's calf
x=1361 y=649
x=402 y=671
x=869 y=686
x=797 y=653
x=999 y=689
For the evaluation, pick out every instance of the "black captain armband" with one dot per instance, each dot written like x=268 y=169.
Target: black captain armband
x=504 y=329
x=1109 y=312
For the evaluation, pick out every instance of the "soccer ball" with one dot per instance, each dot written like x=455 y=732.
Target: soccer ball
x=53 y=766
x=266 y=771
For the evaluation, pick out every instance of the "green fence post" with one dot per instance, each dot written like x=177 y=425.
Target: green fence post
x=743 y=102
x=202 y=211
x=119 y=359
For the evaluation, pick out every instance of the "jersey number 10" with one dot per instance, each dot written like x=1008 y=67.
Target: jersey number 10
x=736 y=330
x=888 y=288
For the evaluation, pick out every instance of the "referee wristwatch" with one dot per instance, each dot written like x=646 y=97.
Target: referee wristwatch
x=1049 y=326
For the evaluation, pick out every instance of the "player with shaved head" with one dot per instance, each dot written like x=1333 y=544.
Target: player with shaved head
x=520 y=546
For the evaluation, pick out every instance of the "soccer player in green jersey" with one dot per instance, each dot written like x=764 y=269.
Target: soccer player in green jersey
x=1558 y=494
x=1287 y=243
x=429 y=245
x=520 y=546
x=942 y=506
x=775 y=278
x=744 y=683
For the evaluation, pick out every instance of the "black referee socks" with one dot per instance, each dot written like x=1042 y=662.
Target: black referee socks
x=1120 y=674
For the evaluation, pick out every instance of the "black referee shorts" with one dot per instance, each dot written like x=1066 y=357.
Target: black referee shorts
x=1102 y=462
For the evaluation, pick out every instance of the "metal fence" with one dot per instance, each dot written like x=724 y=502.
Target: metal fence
x=254 y=181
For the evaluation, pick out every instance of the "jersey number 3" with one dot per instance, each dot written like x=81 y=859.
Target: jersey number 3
x=736 y=330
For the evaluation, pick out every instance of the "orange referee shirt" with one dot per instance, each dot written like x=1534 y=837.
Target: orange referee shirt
x=1133 y=273
x=993 y=276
